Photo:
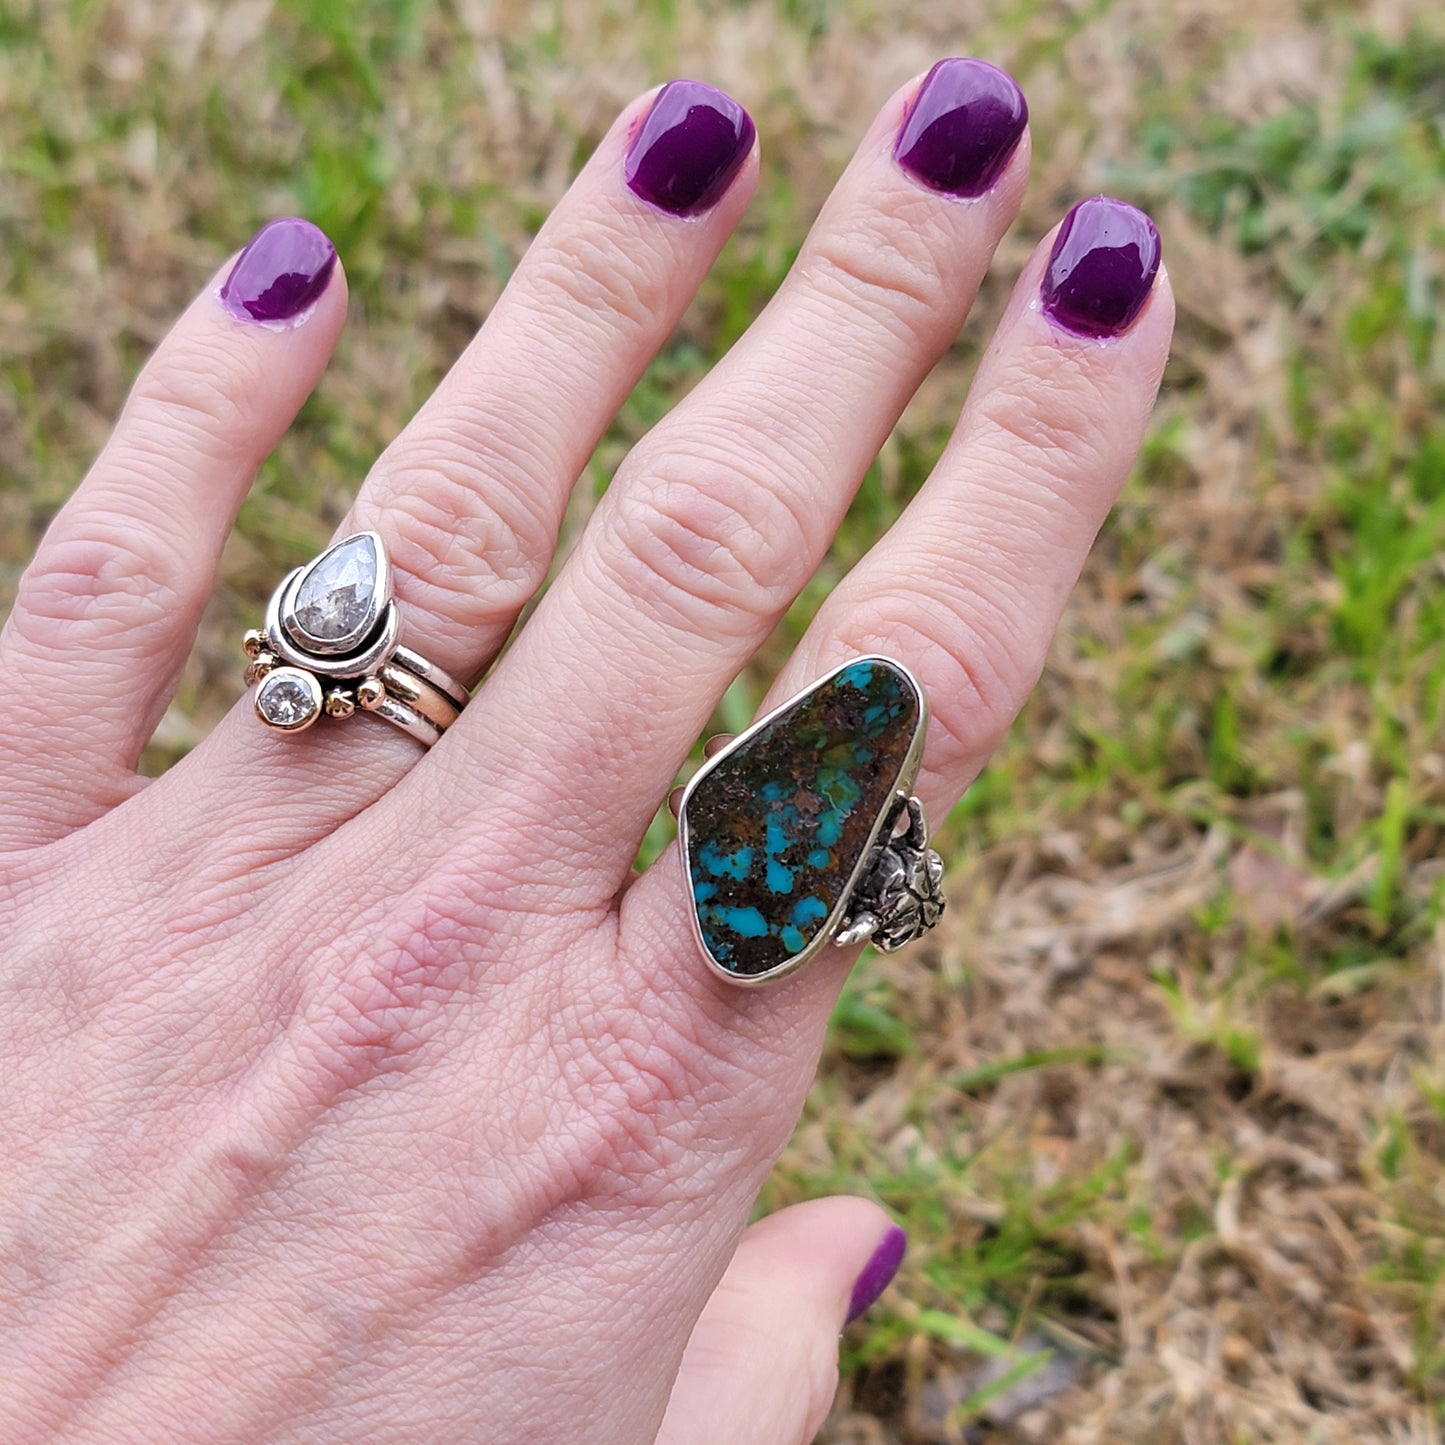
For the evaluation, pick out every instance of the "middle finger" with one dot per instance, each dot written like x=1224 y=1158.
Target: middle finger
x=720 y=515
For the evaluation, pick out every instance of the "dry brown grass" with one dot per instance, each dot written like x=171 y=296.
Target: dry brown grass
x=1168 y=1100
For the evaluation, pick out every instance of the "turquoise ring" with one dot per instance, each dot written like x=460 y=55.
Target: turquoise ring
x=803 y=831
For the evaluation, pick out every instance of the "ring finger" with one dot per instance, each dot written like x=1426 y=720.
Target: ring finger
x=469 y=498
x=721 y=514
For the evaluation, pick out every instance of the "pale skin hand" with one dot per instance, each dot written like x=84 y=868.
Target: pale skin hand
x=351 y=1094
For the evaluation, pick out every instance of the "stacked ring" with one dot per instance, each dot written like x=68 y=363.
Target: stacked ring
x=331 y=644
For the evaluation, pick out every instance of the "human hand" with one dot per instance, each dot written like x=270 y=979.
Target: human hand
x=356 y=1093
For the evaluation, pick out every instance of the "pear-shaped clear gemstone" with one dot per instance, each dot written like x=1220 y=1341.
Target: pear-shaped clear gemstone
x=338 y=600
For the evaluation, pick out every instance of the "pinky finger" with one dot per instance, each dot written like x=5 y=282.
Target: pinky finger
x=762 y=1364
x=107 y=611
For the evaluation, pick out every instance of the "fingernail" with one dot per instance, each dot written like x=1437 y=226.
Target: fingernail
x=282 y=271
x=878 y=1272
x=964 y=124
x=687 y=151
x=1102 y=268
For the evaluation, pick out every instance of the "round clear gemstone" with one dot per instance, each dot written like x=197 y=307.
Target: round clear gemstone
x=336 y=601
x=287 y=699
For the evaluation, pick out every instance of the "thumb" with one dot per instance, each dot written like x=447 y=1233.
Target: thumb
x=762 y=1364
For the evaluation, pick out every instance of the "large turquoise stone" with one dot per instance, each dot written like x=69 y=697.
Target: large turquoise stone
x=775 y=827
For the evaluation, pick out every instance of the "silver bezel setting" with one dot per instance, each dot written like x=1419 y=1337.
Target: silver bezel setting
x=879 y=835
x=367 y=671
x=314 y=646
x=378 y=649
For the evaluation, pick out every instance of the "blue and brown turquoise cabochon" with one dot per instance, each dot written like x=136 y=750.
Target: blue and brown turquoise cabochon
x=776 y=826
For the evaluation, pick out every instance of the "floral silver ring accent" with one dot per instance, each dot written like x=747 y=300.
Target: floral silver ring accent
x=804 y=831
x=331 y=645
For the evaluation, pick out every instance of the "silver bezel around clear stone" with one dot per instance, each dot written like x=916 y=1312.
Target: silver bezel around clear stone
x=288 y=699
x=331 y=613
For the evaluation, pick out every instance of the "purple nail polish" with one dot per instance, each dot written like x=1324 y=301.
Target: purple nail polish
x=1102 y=268
x=688 y=149
x=282 y=271
x=964 y=124
x=878 y=1272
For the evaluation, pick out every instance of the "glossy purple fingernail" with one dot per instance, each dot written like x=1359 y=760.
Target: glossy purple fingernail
x=688 y=149
x=283 y=270
x=878 y=1272
x=1102 y=268
x=964 y=124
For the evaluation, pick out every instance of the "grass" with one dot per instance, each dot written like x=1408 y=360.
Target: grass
x=1162 y=1105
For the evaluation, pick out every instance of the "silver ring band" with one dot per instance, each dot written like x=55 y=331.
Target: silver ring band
x=422 y=697
x=439 y=678
x=398 y=714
